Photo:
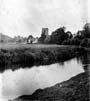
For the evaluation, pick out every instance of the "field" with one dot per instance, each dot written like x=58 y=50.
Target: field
x=22 y=46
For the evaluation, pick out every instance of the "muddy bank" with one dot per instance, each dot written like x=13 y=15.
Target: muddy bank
x=74 y=89
x=27 y=57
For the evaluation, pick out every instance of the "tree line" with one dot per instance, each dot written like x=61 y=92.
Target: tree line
x=61 y=37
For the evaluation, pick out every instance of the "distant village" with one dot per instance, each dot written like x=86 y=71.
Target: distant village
x=18 y=39
x=44 y=38
x=60 y=36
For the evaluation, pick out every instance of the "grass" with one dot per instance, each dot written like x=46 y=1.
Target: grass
x=9 y=46
x=74 y=89
x=14 y=56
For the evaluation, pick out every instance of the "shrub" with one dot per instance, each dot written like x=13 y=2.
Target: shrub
x=84 y=42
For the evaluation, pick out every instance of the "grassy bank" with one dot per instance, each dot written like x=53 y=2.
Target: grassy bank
x=15 y=58
x=74 y=89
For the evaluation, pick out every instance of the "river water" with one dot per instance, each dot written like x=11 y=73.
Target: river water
x=26 y=81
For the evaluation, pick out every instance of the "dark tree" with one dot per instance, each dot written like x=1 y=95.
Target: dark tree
x=58 y=36
x=30 y=39
x=84 y=42
x=86 y=30
x=69 y=34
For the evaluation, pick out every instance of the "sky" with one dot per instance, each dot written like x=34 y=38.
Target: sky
x=26 y=17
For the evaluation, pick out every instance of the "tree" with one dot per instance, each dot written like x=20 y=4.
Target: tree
x=88 y=44
x=76 y=41
x=87 y=27
x=86 y=30
x=84 y=42
x=30 y=39
x=69 y=34
x=58 y=36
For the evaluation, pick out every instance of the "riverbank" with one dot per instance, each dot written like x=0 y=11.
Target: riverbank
x=28 y=57
x=74 y=89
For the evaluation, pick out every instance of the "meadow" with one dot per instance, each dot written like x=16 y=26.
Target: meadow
x=9 y=46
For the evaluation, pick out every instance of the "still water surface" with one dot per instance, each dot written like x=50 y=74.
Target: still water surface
x=26 y=81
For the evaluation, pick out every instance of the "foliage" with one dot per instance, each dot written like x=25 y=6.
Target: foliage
x=40 y=56
x=82 y=38
x=58 y=36
x=30 y=39
x=84 y=42
x=88 y=44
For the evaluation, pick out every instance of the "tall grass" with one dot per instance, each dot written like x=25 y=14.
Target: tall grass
x=27 y=57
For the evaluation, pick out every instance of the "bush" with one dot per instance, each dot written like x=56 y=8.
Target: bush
x=27 y=57
x=88 y=44
x=84 y=42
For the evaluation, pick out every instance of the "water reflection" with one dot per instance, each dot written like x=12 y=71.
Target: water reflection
x=26 y=81
x=85 y=60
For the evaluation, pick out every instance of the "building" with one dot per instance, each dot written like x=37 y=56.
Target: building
x=45 y=31
x=30 y=39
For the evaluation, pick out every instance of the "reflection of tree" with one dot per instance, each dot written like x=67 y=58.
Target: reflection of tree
x=61 y=63
x=85 y=60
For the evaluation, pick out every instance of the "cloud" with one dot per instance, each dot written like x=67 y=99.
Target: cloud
x=26 y=17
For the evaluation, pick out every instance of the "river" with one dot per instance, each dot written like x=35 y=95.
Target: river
x=26 y=81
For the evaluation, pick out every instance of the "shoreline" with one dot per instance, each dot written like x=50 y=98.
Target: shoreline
x=28 y=57
x=74 y=89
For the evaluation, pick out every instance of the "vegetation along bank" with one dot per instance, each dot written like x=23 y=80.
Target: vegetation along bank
x=27 y=57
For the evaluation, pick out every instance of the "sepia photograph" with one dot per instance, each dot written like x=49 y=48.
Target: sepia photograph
x=44 y=50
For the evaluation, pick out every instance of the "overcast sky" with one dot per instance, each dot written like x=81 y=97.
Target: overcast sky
x=24 y=17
